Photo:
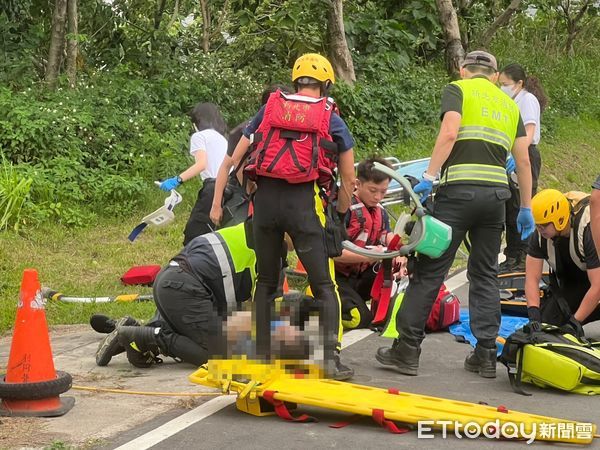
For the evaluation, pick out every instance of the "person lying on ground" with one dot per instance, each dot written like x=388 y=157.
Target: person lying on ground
x=194 y=293
x=294 y=335
x=199 y=295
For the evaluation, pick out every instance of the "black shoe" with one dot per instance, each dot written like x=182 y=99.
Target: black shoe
x=140 y=345
x=341 y=371
x=508 y=266
x=482 y=361
x=110 y=345
x=519 y=267
x=104 y=324
x=404 y=357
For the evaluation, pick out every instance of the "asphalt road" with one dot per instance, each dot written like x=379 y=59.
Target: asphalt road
x=441 y=374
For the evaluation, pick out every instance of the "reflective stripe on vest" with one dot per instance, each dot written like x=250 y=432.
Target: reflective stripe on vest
x=576 y=247
x=485 y=134
x=225 y=264
x=476 y=172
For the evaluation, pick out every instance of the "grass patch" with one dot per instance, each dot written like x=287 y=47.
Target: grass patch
x=570 y=155
x=84 y=262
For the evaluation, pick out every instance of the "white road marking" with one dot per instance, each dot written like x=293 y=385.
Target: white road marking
x=456 y=281
x=213 y=406
x=178 y=424
x=353 y=336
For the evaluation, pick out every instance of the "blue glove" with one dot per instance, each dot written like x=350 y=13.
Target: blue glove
x=525 y=223
x=170 y=183
x=424 y=187
x=511 y=166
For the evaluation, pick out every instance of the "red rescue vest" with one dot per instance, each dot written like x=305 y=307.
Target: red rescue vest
x=292 y=142
x=366 y=227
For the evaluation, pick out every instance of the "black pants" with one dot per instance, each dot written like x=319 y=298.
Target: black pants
x=281 y=207
x=355 y=291
x=199 y=222
x=478 y=210
x=191 y=328
x=515 y=247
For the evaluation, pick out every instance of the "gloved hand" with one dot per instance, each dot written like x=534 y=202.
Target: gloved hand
x=511 y=166
x=525 y=223
x=576 y=326
x=424 y=187
x=535 y=318
x=170 y=183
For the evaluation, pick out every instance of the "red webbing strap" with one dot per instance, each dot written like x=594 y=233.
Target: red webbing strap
x=344 y=423
x=378 y=416
x=282 y=411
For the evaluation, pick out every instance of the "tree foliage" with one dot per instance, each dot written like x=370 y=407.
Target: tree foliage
x=141 y=65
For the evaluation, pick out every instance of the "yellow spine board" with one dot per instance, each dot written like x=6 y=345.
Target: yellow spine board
x=358 y=399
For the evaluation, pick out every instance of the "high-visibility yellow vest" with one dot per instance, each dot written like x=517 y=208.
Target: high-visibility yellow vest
x=488 y=114
x=241 y=256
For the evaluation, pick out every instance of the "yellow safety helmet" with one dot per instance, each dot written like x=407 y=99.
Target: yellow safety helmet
x=551 y=205
x=314 y=66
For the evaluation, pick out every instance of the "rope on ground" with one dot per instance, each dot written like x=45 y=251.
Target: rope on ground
x=157 y=394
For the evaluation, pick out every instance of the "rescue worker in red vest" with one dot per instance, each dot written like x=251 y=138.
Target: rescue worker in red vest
x=367 y=224
x=297 y=142
x=595 y=213
x=563 y=238
x=480 y=126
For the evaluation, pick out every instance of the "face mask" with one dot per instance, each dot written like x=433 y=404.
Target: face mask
x=508 y=90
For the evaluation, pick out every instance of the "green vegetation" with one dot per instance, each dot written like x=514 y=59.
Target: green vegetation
x=78 y=164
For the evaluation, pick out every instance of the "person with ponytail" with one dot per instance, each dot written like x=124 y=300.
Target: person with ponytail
x=529 y=96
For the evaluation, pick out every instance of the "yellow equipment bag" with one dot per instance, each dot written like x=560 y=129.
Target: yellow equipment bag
x=552 y=358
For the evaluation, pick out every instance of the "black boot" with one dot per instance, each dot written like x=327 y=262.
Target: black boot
x=140 y=345
x=110 y=345
x=104 y=324
x=482 y=360
x=509 y=265
x=520 y=264
x=341 y=372
x=403 y=356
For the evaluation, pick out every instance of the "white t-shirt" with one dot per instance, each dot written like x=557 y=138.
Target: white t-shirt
x=530 y=112
x=215 y=146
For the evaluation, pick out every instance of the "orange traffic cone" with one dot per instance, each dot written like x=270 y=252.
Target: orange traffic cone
x=32 y=386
